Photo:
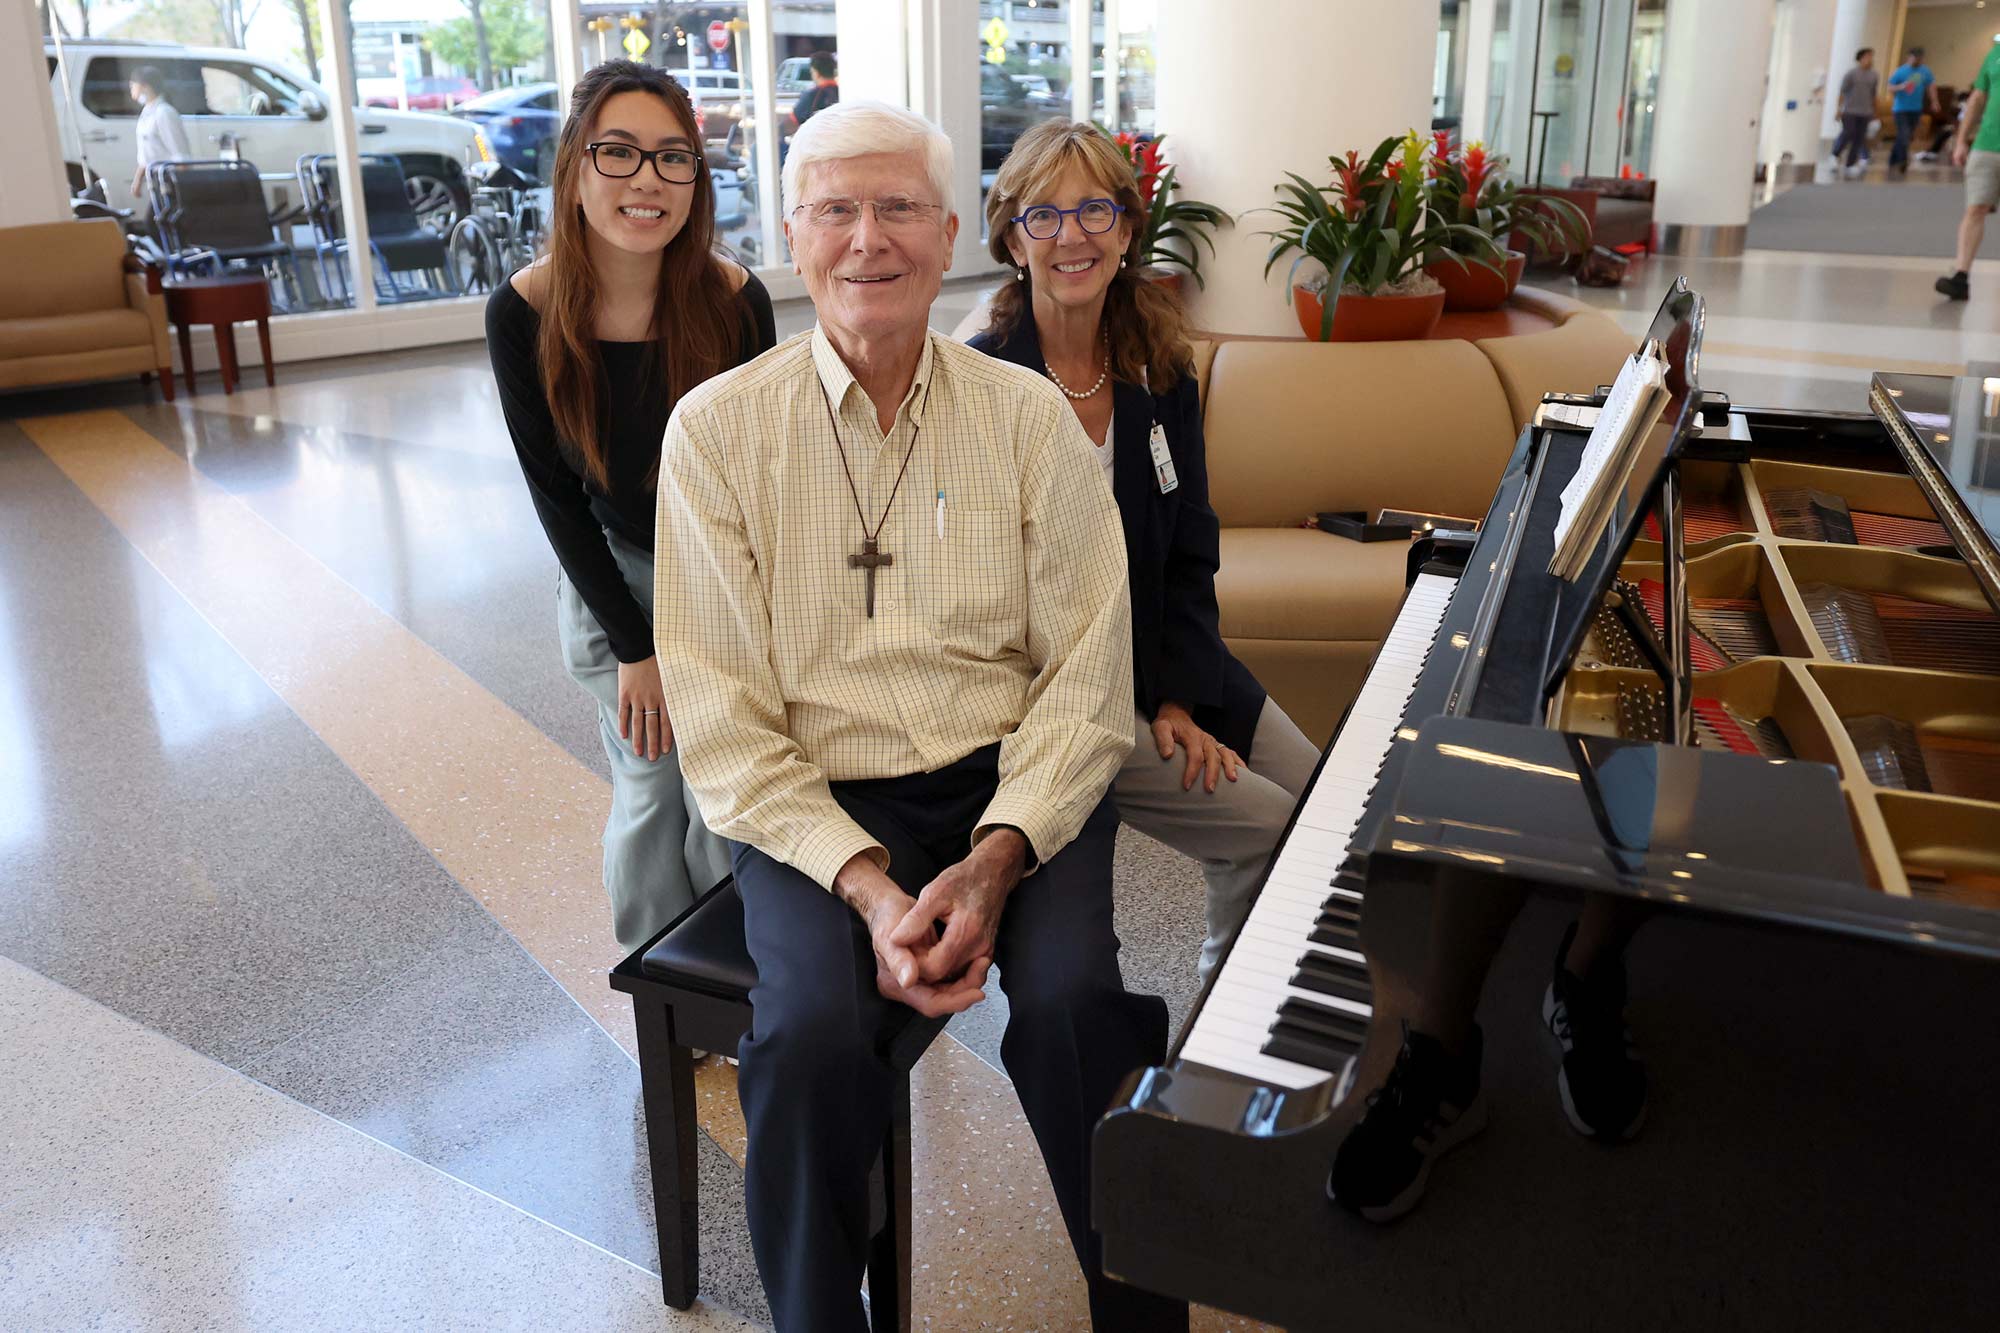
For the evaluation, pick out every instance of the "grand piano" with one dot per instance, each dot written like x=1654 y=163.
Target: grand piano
x=1769 y=706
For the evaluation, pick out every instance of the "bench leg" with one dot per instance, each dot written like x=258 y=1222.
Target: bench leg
x=889 y=1250
x=167 y=382
x=225 y=350
x=187 y=355
x=666 y=1074
x=264 y=344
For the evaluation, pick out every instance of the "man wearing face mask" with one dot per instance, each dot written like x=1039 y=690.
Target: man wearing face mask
x=892 y=609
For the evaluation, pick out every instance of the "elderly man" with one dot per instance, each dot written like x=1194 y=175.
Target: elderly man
x=892 y=620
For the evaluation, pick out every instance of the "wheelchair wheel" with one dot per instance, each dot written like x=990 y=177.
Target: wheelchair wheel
x=474 y=256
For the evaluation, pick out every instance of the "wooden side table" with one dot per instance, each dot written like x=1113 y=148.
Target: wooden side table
x=220 y=303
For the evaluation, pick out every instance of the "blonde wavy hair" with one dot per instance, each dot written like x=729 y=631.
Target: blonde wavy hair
x=1143 y=323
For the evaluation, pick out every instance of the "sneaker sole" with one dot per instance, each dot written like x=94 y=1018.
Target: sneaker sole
x=1462 y=1129
x=1577 y=1122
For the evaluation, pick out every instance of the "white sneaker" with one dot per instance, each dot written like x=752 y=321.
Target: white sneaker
x=1927 y=157
x=1854 y=172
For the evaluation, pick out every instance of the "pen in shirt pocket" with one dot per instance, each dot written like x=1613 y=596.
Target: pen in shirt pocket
x=940 y=516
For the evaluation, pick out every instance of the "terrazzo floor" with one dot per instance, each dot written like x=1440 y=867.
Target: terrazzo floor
x=302 y=945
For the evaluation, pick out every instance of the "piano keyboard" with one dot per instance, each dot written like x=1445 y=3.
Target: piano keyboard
x=1292 y=996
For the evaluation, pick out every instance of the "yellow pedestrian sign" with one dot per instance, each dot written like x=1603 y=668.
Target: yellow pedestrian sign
x=636 y=43
x=995 y=32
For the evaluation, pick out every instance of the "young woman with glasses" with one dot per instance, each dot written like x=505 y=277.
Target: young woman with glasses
x=628 y=308
x=1063 y=212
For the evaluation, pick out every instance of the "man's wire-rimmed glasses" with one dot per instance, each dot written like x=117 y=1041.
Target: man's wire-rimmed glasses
x=1044 y=221
x=675 y=166
x=893 y=212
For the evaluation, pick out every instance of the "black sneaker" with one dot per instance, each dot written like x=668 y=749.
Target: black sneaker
x=1430 y=1105
x=1955 y=285
x=1603 y=1084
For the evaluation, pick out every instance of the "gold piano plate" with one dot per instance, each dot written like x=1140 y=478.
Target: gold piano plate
x=1947 y=848
x=1876 y=500
x=1717 y=509
x=1933 y=610
x=1743 y=572
x=1952 y=722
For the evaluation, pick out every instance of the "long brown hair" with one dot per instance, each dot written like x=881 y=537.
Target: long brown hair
x=1143 y=324
x=696 y=324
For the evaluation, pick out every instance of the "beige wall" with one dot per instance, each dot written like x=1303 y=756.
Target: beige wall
x=32 y=187
x=1955 y=39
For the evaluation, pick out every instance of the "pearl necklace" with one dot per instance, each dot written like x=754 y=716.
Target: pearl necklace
x=1087 y=393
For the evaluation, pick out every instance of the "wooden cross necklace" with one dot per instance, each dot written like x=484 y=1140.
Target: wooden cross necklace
x=871 y=557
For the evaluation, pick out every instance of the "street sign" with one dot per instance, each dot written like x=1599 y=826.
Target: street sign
x=995 y=32
x=718 y=36
x=636 y=43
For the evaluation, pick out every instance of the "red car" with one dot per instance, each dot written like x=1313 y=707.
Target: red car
x=432 y=94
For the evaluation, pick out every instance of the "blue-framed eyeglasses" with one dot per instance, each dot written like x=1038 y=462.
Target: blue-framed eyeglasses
x=1044 y=221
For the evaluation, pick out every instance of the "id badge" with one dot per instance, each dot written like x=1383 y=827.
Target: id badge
x=1163 y=461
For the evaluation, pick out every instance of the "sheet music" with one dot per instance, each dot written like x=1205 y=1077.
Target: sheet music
x=1632 y=406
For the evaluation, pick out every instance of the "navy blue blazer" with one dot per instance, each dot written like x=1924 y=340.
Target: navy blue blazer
x=1171 y=548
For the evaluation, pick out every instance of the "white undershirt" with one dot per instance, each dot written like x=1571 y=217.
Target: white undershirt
x=1103 y=451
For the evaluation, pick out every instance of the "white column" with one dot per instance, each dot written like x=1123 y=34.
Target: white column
x=870 y=35
x=1611 y=52
x=566 y=31
x=1856 y=23
x=1479 y=14
x=32 y=185
x=337 y=35
x=944 y=55
x=1079 y=60
x=1215 y=54
x=1711 y=95
x=763 y=91
x=1802 y=81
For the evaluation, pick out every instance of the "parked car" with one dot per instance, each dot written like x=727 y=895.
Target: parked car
x=720 y=97
x=235 y=104
x=521 y=124
x=430 y=94
x=1007 y=107
x=794 y=77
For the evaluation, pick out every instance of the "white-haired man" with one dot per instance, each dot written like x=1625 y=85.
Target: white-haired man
x=892 y=619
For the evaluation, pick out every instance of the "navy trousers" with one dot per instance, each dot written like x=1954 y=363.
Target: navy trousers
x=814 y=1084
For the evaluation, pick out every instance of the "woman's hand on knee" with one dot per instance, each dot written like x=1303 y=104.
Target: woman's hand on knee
x=642 y=709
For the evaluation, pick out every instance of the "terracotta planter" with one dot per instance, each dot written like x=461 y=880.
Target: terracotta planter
x=1469 y=286
x=1161 y=276
x=1517 y=264
x=1359 y=319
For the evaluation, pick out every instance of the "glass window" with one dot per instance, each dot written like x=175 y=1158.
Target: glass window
x=1024 y=76
x=1137 y=22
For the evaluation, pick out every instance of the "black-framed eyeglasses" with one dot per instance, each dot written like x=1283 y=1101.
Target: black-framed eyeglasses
x=1044 y=221
x=675 y=166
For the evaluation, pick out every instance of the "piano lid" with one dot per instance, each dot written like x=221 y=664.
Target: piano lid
x=1948 y=429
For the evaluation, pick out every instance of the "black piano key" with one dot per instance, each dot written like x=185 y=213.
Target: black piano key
x=1287 y=1043
x=1336 y=1024
x=1336 y=936
x=1340 y=911
x=1330 y=976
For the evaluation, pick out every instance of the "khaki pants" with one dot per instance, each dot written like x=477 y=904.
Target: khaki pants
x=1232 y=831
x=657 y=853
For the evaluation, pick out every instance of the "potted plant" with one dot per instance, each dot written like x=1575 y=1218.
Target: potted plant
x=1471 y=186
x=1370 y=233
x=1174 y=229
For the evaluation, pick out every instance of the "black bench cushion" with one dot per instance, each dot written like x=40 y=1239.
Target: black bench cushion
x=706 y=950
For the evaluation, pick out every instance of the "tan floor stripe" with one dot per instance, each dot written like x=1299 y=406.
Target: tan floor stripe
x=516 y=821
x=1850 y=360
x=508 y=813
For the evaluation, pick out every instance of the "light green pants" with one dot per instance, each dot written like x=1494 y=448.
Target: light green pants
x=657 y=852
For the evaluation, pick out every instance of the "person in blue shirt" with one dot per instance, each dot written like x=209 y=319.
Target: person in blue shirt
x=1913 y=91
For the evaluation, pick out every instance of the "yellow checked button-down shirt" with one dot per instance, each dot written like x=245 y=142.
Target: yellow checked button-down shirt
x=1004 y=617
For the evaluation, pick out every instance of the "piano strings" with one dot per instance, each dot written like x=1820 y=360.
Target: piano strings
x=1817 y=516
x=1896 y=754
x=1887 y=629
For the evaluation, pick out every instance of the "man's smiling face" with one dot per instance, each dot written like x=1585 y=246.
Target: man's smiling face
x=871 y=281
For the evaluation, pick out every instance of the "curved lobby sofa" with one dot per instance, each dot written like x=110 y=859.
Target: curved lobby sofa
x=1295 y=428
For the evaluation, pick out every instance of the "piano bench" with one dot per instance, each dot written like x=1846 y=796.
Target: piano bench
x=690 y=988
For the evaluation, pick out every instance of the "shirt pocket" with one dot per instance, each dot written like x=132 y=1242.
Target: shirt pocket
x=976 y=589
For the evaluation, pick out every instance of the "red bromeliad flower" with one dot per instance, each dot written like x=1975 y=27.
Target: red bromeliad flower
x=1440 y=149
x=1148 y=167
x=1478 y=166
x=1351 y=183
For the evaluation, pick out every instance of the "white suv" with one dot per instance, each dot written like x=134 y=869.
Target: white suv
x=238 y=105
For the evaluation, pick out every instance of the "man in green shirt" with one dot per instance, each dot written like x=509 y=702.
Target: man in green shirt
x=1982 y=174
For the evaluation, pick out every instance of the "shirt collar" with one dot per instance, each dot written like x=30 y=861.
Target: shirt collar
x=837 y=379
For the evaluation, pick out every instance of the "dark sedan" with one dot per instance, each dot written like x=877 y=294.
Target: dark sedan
x=521 y=124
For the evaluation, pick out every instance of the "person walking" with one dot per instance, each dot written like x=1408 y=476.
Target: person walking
x=1976 y=148
x=161 y=135
x=1912 y=91
x=1856 y=105
x=825 y=90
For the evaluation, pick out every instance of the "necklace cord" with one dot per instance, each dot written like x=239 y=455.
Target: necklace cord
x=916 y=428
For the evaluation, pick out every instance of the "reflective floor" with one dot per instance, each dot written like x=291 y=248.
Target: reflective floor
x=303 y=1014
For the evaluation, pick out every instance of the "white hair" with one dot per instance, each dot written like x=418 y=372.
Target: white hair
x=859 y=129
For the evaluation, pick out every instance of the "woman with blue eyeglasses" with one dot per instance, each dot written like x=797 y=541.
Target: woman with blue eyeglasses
x=628 y=308
x=1217 y=766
